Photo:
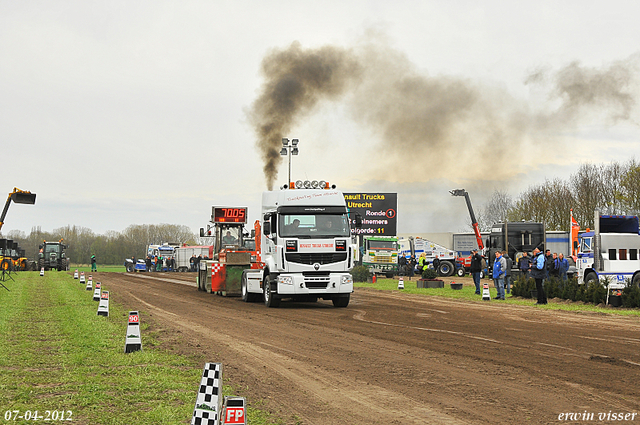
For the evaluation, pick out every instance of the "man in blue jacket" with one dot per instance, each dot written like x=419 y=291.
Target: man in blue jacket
x=562 y=265
x=539 y=272
x=499 y=271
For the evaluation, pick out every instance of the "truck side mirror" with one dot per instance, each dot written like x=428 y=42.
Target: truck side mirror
x=266 y=228
x=358 y=221
x=202 y=232
x=253 y=233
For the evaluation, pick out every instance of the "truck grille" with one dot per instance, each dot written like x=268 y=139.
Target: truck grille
x=379 y=259
x=316 y=280
x=320 y=258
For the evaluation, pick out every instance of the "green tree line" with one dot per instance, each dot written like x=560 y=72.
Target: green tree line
x=109 y=248
x=612 y=188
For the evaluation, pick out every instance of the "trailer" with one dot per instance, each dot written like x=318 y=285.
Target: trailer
x=609 y=253
x=442 y=259
x=183 y=255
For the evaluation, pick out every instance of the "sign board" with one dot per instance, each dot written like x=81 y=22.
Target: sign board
x=103 y=307
x=234 y=411
x=229 y=215
x=133 y=342
x=378 y=212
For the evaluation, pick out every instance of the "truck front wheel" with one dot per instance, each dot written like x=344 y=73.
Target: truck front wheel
x=246 y=295
x=342 y=301
x=269 y=299
x=590 y=277
x=636 y=280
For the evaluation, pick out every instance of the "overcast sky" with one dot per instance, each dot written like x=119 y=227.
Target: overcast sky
x=131 y=112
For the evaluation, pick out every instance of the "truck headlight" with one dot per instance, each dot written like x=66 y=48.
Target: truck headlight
x=346 y=280
x=285 y=280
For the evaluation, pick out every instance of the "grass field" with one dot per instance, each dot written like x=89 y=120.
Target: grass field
x=468 y=293
x=57 y=354
x=101 y=268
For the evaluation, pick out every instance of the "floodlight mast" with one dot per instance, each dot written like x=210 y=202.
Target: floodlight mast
x=19 y=197
x=290 y=149
x=474 y=222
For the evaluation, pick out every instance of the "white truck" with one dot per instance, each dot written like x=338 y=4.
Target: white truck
x=610 y=251
x=183 y=255
x=381 y=254
x=165 y=249
x=444 y=258
x=306 y=249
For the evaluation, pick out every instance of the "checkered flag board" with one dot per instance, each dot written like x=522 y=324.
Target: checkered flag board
x=208 y=402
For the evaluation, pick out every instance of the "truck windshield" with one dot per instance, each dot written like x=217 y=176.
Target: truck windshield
x=497 y=241
x=586 y=245
x=383 y=245
x=314 y=225
x=51 y=248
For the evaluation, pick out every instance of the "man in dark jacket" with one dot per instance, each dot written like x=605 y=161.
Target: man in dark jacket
x=507 y=277
x=402 y=265
x=548 y=263
x=475 y=268
x=524 y=264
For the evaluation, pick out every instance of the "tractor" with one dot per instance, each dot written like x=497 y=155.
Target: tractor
x=52 y=256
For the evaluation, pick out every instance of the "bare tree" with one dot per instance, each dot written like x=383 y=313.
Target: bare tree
x=586 y=185
x=547 y=203
x=496 y=210
x=630 y=188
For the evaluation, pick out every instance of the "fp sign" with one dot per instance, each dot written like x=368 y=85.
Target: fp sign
x=234 y=415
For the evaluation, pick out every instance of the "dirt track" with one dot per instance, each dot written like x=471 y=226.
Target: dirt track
x=393 y=358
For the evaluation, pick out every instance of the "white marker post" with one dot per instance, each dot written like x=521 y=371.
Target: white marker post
x=133 y=342
x=75 y=274
x=486 y=296
x=97 y=291
x=234 y=411
x=42 y=271
x=401 y=283
x=82 y=280
x=209 y=400
x=103 y=307
x=89 y=286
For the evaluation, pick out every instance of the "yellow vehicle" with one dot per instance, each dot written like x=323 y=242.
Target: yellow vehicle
x=19 y=197
x=11 y=256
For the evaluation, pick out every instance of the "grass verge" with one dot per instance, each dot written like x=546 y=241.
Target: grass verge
x=59 y=355
x=101 y=268
x=468 y=293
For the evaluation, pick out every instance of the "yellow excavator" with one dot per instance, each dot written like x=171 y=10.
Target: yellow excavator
x=19 y=197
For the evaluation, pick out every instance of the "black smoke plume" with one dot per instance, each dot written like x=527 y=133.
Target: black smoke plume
x=431 y=126
x=296 y=80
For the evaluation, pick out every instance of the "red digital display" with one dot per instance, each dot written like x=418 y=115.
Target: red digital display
x=229 y=215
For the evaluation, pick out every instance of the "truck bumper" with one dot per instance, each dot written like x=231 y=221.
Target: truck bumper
x=297 y=284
